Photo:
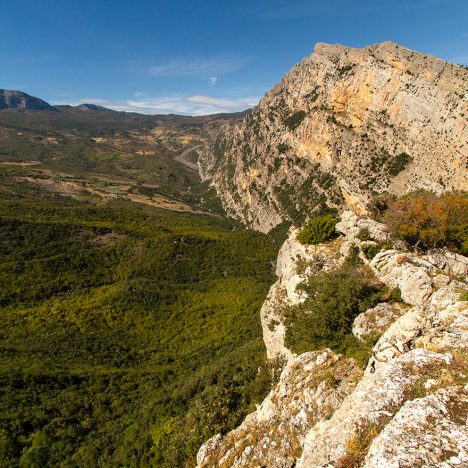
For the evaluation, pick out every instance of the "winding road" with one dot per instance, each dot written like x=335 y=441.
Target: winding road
x=181 y=157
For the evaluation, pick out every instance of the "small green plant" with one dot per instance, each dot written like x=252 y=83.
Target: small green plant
x=282 y=148
x=370 y=250
x=317 y=230
x=364 y=235
x=294 y=120
x=399 y=163
x=463 y=296
x=345 y=69
x=395 y=295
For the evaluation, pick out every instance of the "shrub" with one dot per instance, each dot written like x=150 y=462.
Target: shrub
x=325 y=318
x=399 y=163
x=364 y=235
x=317 y=230
x=294 y=120
x=395 y=295
x=282 y=148
x=370 y=250
x=425 y=220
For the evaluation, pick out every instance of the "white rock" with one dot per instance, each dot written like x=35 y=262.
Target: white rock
x=377 y=319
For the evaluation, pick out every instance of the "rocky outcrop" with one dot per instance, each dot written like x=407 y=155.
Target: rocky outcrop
x=311 y=387
x=295 y=263
x=343 y=125
x=439 y=435
x=408 y=408
x=377 y=319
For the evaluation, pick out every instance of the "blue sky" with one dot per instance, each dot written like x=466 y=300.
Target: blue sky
x=199 y=57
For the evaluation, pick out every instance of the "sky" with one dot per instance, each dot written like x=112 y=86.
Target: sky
x=199 y=57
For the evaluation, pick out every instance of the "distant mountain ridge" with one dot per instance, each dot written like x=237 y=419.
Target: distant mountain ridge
x=12 y=99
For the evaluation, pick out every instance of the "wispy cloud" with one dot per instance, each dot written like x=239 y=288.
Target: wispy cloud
x=184 y=105
x=201 y=67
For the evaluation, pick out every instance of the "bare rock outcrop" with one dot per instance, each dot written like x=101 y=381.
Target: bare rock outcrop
x=377 y=319
x=408 y=408
x=311 y=387
x=295 y=263
x=439 y=434
x=342 y=125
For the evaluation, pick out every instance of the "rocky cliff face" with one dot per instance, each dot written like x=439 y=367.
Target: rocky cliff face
x=409 y=407
x=343 y=125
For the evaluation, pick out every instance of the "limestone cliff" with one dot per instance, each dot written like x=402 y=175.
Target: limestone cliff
x=343 y=125
x=409 y=407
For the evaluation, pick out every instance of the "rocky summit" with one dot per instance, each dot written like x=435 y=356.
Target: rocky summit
x=343 y=126
x=10 y=99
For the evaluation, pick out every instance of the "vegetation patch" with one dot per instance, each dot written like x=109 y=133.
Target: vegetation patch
x=426 y=220
x=131 y=352
x=294 y=120
x=399 y=163
x=325 y=319
x=370 y=250
x=319 y=229
x=364 y=235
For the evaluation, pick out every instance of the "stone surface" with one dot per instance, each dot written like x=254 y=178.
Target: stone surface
x=355 y=112
x=376 y=320
x=351 y=225
x=311 y=387
x=404 y=271
x=438 y=433
x=408 y=408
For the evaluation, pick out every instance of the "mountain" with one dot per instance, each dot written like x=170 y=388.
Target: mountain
x=150 y=159
x=10 y=99
x=343 y=126
x=365 y=326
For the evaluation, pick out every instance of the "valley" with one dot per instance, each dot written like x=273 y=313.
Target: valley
x=285 y=286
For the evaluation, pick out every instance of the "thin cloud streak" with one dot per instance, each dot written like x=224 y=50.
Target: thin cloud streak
x=202 y=67
x=183 y=105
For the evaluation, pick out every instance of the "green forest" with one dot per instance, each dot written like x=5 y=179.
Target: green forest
x=129 y=335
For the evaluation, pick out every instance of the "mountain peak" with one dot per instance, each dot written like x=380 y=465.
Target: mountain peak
x=12 y=99
x=343 y=126
x=90 y=107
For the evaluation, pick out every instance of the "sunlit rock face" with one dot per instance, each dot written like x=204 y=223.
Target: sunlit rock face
x=343 y=125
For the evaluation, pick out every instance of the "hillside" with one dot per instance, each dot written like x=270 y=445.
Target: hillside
x=366 y=323
x=129 y=334
x=11 y=99
x=98 y=154
x=343 y=126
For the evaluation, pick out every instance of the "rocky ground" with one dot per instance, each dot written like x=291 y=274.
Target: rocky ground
x=407 y=408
